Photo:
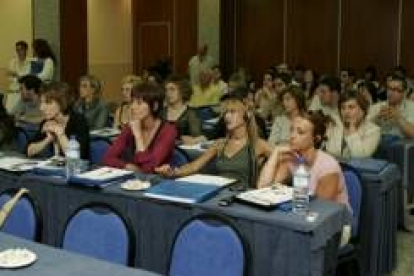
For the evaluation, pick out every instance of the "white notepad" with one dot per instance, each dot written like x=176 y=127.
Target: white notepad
x=208 y=179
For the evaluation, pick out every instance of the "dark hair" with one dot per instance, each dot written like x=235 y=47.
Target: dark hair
x=22 y=43
x=297 y=93
x=372 y=89
x=58 y=92
x=333 y=83
x=402 y=80
x=93 y=82
x=373 y=71
x=150 y=93
x=31 y=82
x=8 y=127
x=183 y=85
x=42 y=49
x=350 y=71
x=359 y=98
x=319 y=122
x=286 y=78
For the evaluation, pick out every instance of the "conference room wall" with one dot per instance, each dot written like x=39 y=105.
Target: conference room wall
x=321 y=34
x=16 y=18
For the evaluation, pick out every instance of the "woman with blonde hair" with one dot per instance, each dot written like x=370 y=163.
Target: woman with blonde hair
x=238 y=155
x=123 y=113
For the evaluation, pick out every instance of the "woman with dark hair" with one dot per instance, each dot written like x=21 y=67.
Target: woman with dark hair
x=90 y=103
x=59 y=123
x=8 y=134
x=177 y=93
x=306 y=137
x=146 y=141
x=238 y=155
x=293 y=102
x=369 y=91
x=44 y=62
x=354 y=136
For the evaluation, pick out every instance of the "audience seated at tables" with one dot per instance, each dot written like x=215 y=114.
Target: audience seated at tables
x=293 y=102
x=238 y=155
x=395 y=116
x=123 y=113
x=90 y=103
x=348 y=78
x=329 y=89
x=205 y=93
x=177 y=93
x=265 y=97
x=369 y=91
x=146 y=141
x=8 y=133
x=59 y=124
x=217 y=80
x=27 y=109
x=306 y=137
x=354 y=136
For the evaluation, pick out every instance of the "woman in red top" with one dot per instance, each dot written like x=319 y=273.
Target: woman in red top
x=146 y=142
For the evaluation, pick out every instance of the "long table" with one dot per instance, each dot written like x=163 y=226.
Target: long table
x=279 y=242
x=52 y=261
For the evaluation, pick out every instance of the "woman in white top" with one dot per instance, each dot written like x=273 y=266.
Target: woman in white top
x=354 y=136
x=294 y=103
x=43 y=65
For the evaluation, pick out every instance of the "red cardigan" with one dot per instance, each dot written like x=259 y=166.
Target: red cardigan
x=159 y=151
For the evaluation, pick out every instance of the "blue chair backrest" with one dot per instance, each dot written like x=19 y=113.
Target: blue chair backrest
x=23 y=220
x=353 y=185
x=179 y=158
x=204 y=248
x=22 y=140
x=101 y=233
x=205 y=113
x=97 y=149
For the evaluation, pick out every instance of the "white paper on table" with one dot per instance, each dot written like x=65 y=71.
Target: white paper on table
x=104 y=173
x=208 y=179
x=11 y=163
x=268 y=196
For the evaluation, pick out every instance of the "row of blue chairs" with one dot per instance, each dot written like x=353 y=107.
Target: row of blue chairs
x=205 y=245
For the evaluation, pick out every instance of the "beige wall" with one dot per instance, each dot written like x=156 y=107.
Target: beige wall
x=16 y=18
x=110 y=43
x=209 y=25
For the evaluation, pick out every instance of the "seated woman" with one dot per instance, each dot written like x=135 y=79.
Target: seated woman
x=146 y=141
x=294 y=103
x=178 y=92
x=122 y=114
x=8 y=132
x=90 y=103
x=306 y=137
x=354 y=137
x=59 y=123
x=238 y=155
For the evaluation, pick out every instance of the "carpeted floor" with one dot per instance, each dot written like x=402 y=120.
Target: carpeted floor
x=405 y=250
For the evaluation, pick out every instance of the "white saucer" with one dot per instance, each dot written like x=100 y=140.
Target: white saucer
x=135 y=185
x=16 y=257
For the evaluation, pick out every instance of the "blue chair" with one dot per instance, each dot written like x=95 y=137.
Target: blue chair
x=97 y=230
x=208 y=245
x=22 y=140
x=24 y=220
x=349 y=254
x=179 y=158
x=98 y=148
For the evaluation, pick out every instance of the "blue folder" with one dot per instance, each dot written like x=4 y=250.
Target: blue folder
x=182 y=191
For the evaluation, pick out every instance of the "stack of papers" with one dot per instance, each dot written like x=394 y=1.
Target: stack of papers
x=53 y=166
x=268 y=197
x=207 y=179
x=17 y=164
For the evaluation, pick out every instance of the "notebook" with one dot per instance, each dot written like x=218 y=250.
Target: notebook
x=269 y=197
x=17 y=164
x=101 y=177
x=182 y=191
x=208 y=179
x=53 y=166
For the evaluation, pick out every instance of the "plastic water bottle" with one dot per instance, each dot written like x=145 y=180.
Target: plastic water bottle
x=72 y=157
x=301 y=179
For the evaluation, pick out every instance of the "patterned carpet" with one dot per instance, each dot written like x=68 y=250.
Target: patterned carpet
x=405 y=250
